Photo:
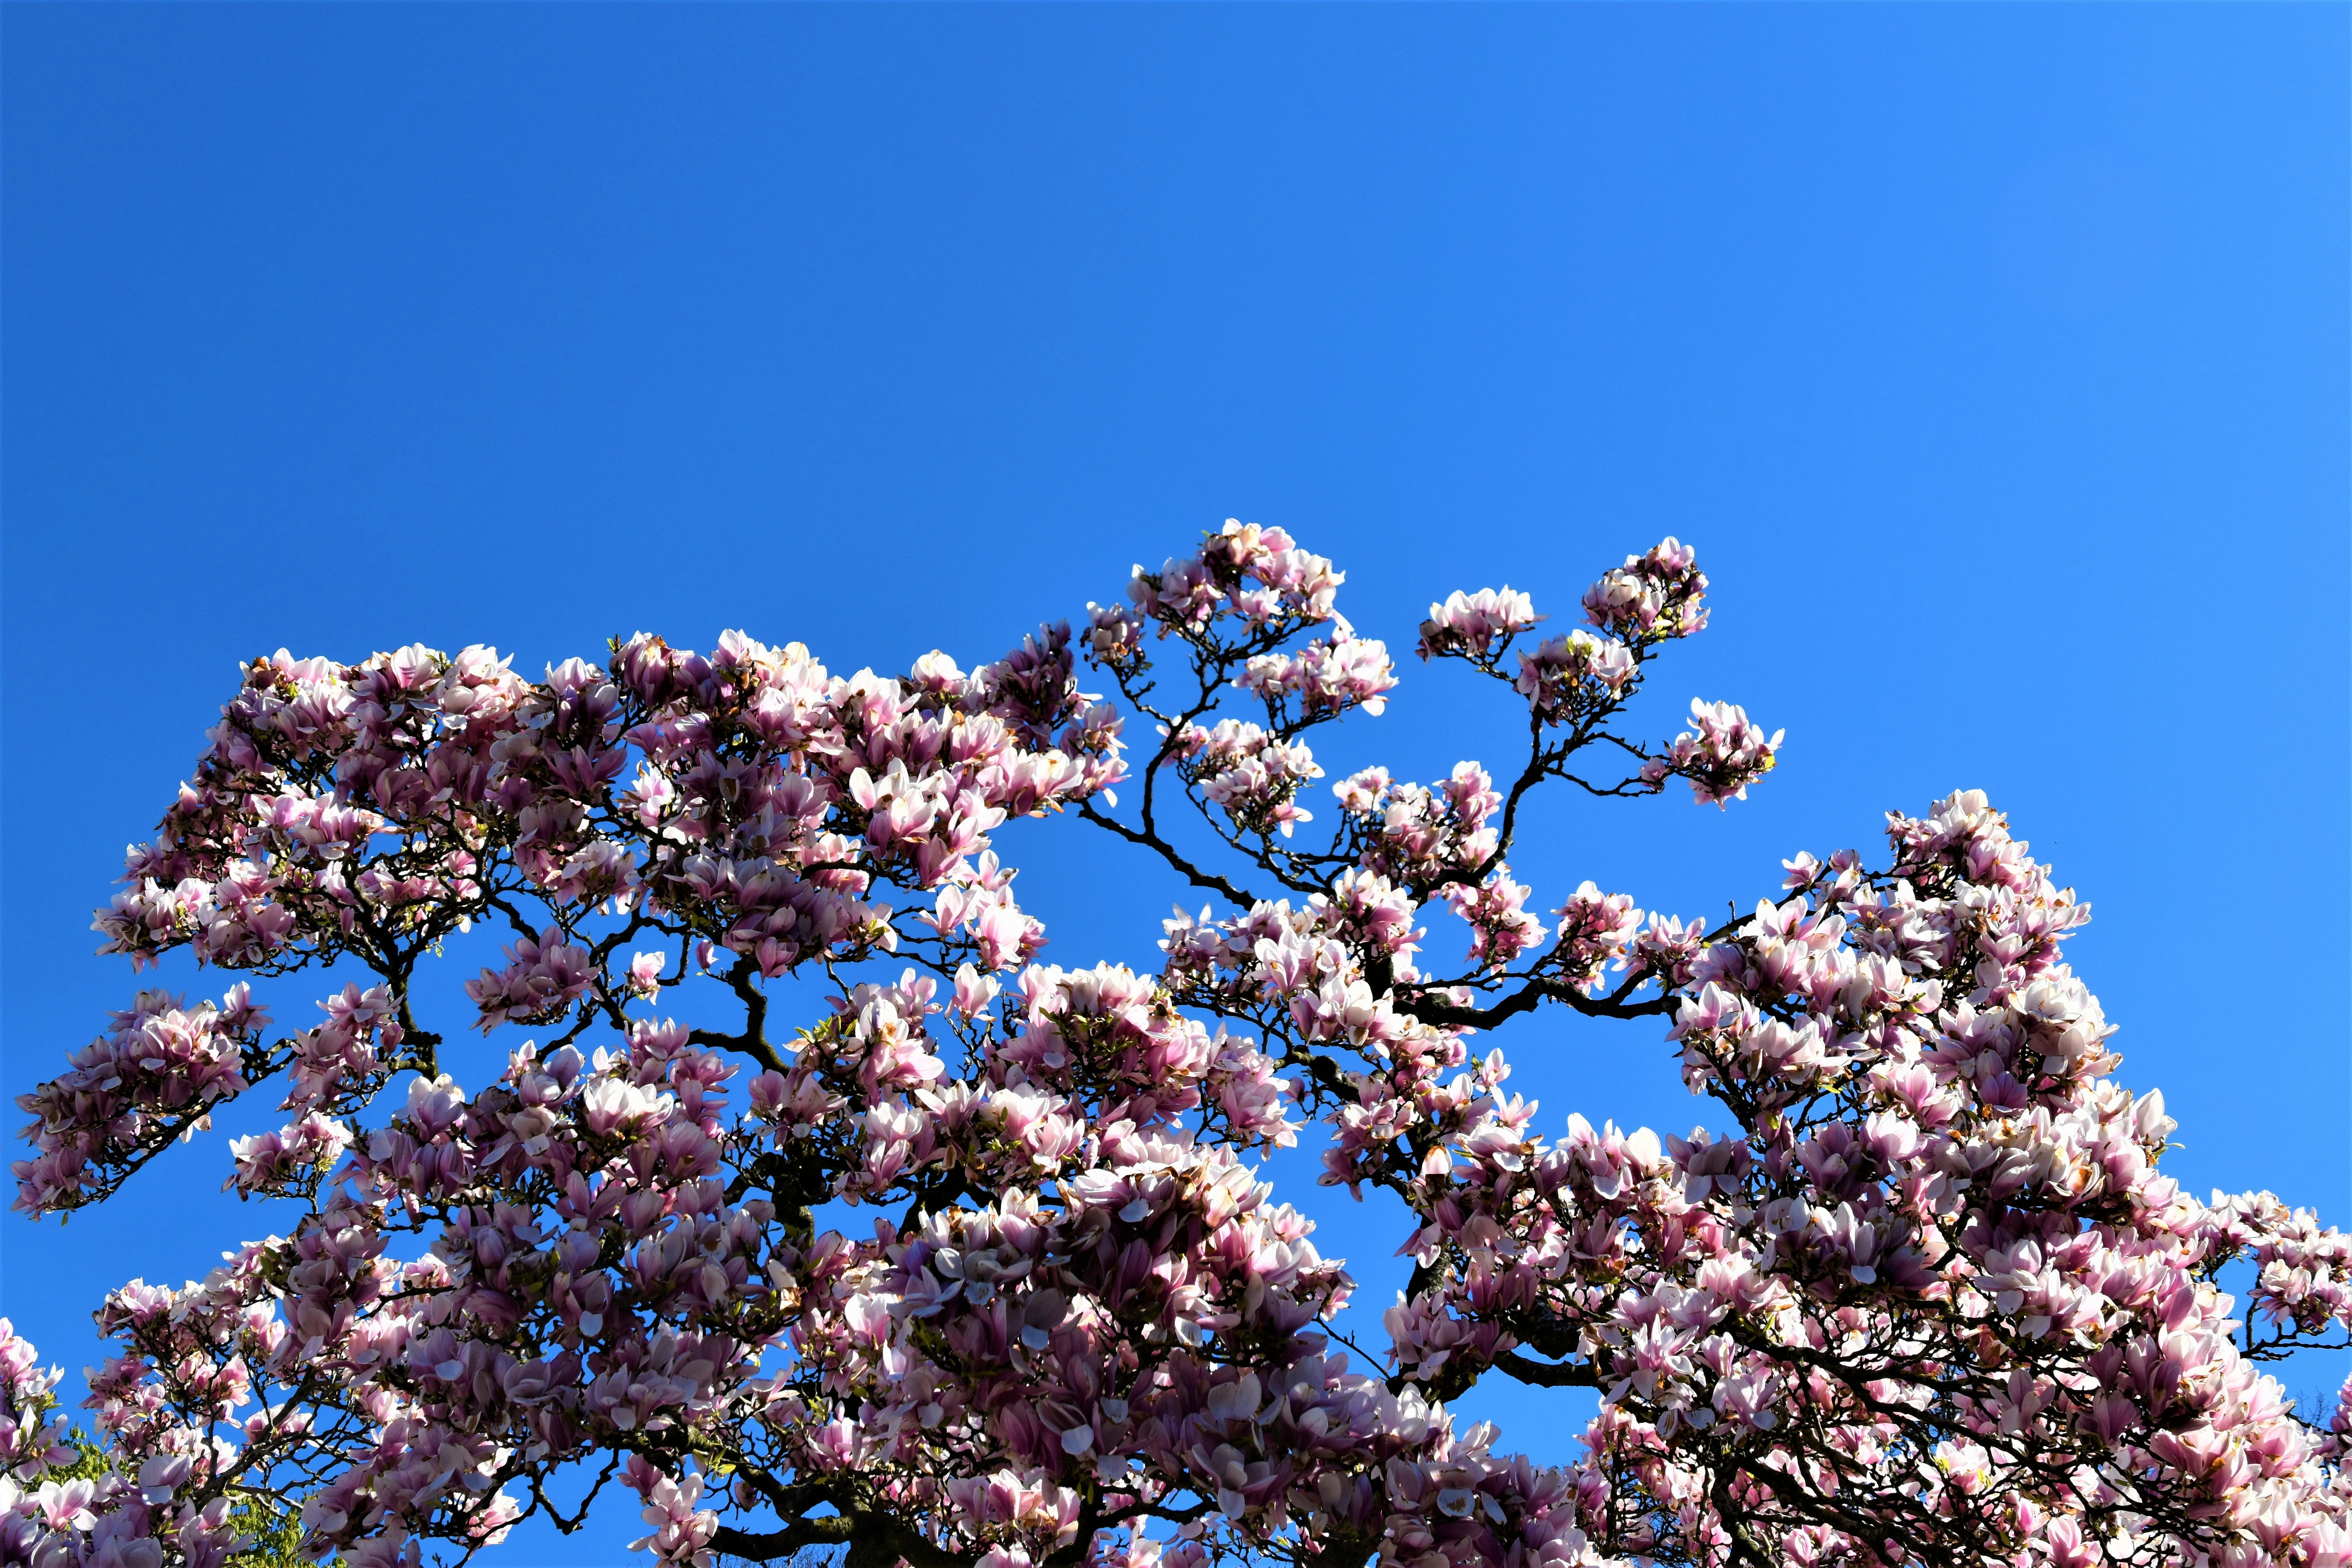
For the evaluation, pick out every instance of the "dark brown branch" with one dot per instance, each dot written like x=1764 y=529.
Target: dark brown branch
x=870 y=1539
x=1151 y=839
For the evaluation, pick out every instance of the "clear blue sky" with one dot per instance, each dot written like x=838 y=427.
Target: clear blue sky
x=1994 y=357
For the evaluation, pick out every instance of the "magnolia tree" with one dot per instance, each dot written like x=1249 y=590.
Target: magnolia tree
x=976 y=1267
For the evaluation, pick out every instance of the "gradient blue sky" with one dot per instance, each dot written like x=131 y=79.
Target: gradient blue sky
x=1994 y=357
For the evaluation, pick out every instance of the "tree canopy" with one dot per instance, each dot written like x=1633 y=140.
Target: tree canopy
x=979 y=1267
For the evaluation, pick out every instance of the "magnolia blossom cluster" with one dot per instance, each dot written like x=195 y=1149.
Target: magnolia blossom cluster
x=1329 y=675
x=1252 y=772
x=152 y=1077
x=1566 y=678
x=1479 y=626
x=1653 y=595
x=980 y=1265
x=32 y=1445
x=1570 y=677
x=1721 y=754
x=1256 y=576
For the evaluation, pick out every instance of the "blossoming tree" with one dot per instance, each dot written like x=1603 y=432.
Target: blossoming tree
x=977 y=1266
